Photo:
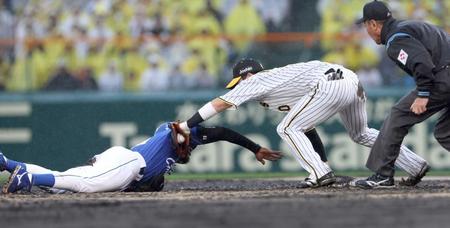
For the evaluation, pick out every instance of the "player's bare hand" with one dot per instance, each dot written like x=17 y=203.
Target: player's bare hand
x=419 y=105
x=267 y=154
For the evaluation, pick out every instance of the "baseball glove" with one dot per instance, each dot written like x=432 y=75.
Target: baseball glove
x=180 y=141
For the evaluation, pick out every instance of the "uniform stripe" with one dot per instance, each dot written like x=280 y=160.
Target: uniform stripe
x=98 y=174
x=399 y=34
x=293 y=142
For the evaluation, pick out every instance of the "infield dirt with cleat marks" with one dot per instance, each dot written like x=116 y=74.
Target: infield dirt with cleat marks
x=235 y=203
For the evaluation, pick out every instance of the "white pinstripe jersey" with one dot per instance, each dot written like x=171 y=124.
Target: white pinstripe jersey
x=280 y=88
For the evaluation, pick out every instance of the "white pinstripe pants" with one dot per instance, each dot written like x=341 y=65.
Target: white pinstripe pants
x=327 y=99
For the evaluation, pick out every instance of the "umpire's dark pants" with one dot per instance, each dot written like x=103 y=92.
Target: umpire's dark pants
x=395 y=127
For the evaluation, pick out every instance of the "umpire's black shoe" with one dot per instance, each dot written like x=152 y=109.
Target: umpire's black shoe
x=375 y=181
x=414 y=180
x=326 y=179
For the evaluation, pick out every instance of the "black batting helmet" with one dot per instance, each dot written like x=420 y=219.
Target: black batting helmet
x=242 y=68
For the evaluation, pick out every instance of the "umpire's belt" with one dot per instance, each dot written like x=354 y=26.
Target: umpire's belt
x=439 y=69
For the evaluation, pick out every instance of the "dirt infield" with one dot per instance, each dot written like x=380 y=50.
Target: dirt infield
x=235 y=203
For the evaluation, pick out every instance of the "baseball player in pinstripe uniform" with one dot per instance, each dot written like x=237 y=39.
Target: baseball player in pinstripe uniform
x=308 y=93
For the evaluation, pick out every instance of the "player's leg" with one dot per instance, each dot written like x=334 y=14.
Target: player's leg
x=21 y=178
x=113 y=170
x=386 y=148
x=9 y=164
x=354 y=118
x=310 y=110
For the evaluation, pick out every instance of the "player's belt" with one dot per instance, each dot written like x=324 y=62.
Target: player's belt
x=439 y=69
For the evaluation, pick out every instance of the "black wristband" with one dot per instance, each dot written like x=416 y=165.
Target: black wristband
x=194 y=120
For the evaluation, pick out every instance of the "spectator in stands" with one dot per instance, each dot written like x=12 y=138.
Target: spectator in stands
x=203 y=78
x=62 y=80
x=177 y=80
x=6 y=23
x=40 y=64
x=140 y=23
x=369 y=76
x=100 y=32
x=176 y=50
x=154 y=78
x=132 y=64
x=86 y=79
x=272 y=12
x=3 y=72
x=96 y=58
x=211 y=8
x=131 y=83
x=73 y=19
x=254 y=25
x=356 y=55
x=111 y=80
x=191 y=63
x=336 y=54
x=2 y=83
x=80 y=42
x=159 y=26
x=205 y=21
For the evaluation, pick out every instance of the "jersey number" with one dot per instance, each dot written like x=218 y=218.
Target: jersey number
x=284 y=108
x=333 y=74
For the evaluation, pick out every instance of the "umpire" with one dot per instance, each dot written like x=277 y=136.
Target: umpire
x=422 y=51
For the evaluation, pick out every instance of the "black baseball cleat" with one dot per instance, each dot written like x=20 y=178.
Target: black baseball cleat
x=307 y=183
x=326 y=179
x=375 y=181
x=414 y=180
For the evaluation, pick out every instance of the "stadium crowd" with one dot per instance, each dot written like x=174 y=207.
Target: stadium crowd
x=126 y=45
x=159 y=45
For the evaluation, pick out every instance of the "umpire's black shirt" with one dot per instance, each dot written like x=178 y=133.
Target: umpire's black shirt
x=420 y=49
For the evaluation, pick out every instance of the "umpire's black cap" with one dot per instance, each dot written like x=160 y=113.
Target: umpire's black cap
x=375 y=11
x=242 y=68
